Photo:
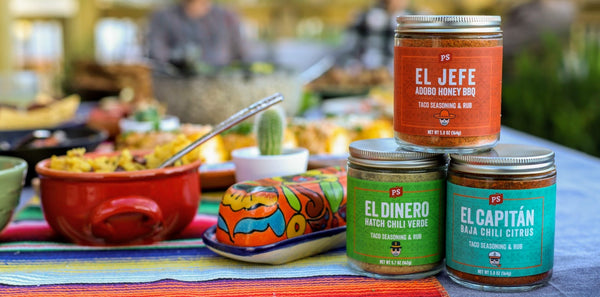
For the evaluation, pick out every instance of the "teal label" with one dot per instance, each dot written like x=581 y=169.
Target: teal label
x=500 y=233
x=395 y=224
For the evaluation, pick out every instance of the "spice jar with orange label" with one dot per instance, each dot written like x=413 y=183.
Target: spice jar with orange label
x=447 y=83
x=500 y=218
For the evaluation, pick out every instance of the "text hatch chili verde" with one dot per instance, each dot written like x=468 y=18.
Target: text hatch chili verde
x=448 y=81
x=500 y=218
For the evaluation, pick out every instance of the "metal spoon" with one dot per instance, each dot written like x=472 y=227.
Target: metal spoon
x=228 y=123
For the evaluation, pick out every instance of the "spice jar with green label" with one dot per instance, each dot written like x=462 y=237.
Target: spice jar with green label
x=500 y=218
x=395 y=210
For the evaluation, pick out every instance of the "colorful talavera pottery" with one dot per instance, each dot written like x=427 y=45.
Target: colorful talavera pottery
x=265 y=211
x=280 y=252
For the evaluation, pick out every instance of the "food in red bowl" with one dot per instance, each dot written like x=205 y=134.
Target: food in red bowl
x=122 y=207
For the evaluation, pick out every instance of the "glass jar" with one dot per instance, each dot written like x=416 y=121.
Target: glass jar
x=500 y=218
x=447 y=83
x=395 y=210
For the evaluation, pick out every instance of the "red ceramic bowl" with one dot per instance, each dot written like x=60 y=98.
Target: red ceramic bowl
x=119 y=208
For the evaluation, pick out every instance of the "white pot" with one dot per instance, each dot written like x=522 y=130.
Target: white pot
x=168 y=123
x=250 y=165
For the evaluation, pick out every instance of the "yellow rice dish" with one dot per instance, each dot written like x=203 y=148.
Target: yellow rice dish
x=75 y=161
x=324 y=136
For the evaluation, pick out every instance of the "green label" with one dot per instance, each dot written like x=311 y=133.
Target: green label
x=500 y=233
x=395 y=224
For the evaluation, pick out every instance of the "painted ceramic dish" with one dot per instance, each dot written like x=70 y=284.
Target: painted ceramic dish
x=280 y=252
x=270 y=210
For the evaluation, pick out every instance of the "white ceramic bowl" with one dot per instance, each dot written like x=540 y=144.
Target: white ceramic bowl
x=168 y=123
x=250 y=165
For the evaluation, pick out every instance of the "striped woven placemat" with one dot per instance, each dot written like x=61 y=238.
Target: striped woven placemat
x=36 y=262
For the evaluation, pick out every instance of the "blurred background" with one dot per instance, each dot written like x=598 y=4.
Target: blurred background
x=97 y=48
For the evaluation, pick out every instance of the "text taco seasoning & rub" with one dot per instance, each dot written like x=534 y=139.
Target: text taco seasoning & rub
x=447 y=83
x=500 y=218
x=395 y=210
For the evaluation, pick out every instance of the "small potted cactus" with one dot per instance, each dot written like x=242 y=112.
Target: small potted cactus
x=269 y=158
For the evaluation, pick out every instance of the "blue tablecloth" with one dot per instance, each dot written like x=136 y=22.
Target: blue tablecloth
x=577 y=238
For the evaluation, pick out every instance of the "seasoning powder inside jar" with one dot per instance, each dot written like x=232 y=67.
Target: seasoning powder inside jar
x=500 y=218
x=395 y=210
x=447 y=83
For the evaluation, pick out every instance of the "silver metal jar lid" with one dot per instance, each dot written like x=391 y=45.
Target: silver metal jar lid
x=385 y=153
x=448 y=23
x=506 y=159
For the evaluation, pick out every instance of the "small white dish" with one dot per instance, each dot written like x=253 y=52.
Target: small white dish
x=168 y=123
x=280 y=252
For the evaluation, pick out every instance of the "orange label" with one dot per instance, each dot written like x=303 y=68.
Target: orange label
x=447 y=92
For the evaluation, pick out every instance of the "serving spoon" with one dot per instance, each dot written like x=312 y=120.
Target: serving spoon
x=228 y=123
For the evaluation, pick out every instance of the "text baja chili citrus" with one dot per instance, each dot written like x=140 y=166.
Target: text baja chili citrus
x=447 y=83
x=395 y=210
x=500 y=218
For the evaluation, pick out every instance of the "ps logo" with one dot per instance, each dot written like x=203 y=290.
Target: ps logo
x=396 y=192
x=445 y=57
x=496 y=199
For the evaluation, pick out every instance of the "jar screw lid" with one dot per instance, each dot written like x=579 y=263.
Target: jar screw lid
x=506 y=159
x=385 y=153
x=449 y=23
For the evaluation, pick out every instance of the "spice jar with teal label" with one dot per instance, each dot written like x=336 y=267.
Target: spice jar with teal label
x=500 y=218
x=395 y=210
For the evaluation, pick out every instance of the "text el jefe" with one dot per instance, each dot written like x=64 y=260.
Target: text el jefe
x=453 y=82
